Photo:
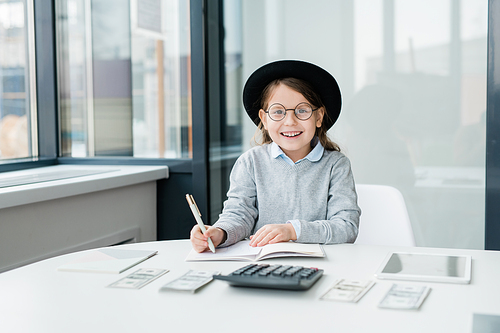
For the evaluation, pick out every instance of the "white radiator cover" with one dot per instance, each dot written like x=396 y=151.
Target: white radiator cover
x=45 y=228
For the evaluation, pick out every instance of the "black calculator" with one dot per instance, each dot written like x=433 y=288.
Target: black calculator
x=273 y=277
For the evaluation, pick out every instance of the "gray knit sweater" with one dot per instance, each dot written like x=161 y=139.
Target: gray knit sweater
x=266 y=190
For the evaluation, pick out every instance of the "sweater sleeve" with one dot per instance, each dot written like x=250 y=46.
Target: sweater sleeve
x=240 y=209
x=341 y=225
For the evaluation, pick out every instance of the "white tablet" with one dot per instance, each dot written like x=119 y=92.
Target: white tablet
x=426 y=267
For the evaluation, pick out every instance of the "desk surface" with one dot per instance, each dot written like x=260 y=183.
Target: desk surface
x=38 y=298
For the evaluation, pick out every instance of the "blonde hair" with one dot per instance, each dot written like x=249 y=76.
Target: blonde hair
x=261 y=135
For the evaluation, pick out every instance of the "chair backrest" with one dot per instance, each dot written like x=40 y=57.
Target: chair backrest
x=384 y=219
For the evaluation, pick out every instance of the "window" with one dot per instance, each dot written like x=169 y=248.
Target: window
x=414 y=96
x=124 y=90
x=17 y=78
x=124 y=78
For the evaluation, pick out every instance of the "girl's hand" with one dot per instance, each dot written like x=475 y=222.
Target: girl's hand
x=273 y=233
x=200 y=240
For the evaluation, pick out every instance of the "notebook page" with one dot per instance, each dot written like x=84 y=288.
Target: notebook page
x=291 y=249
x=239 y=250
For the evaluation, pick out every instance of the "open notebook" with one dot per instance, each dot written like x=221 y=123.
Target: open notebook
x=243 y=251
x=107 y=260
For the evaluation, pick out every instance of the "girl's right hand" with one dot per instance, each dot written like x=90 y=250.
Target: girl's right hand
x=200 y=240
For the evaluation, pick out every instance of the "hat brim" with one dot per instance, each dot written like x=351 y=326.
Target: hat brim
x=324 y=85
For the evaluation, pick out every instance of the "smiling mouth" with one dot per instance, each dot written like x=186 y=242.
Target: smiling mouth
x=290 y=134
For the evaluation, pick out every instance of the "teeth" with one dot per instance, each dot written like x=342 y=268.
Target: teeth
x=290 y=134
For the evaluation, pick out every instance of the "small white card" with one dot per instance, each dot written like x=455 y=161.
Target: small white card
x=139 y=278
x=348 y=290
x=403 y=296
x=191 y=281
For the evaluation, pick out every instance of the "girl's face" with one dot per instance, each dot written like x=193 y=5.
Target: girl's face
x=291 y=134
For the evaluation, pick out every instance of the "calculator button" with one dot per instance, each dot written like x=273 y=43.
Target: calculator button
x=273 y=276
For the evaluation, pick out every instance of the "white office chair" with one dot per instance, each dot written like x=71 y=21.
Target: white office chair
x=384 y=219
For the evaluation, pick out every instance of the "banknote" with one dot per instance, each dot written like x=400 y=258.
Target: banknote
x=348 y=290
x=403 y=296
x=139 y=278
x=191 y=281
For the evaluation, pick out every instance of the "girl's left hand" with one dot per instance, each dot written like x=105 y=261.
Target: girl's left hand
x=273 y=233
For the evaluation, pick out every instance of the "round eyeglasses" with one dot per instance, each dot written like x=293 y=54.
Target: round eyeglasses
x=277 y=111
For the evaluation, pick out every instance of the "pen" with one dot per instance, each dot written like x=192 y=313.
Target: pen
x=197 y=216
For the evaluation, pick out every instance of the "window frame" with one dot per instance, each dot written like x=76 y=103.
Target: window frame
x=492 y=195
x=45 y=86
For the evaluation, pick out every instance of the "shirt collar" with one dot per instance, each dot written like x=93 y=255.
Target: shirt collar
x=314 y=156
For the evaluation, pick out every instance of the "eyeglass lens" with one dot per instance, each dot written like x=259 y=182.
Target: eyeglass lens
x=302 y=111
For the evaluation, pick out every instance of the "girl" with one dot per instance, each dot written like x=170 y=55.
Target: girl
x=296 y=185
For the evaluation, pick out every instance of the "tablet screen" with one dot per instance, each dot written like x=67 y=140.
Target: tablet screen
x=426 y=267
x=431 y=265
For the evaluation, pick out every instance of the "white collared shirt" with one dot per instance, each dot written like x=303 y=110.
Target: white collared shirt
x=314 y=156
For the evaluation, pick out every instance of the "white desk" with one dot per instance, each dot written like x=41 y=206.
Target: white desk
x=38 y=298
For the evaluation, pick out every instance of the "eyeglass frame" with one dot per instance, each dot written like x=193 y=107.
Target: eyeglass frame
x=294 y=111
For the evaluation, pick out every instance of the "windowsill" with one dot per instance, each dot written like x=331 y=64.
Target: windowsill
x=106 y=177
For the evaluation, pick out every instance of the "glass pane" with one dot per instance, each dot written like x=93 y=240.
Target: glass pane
x=124 y=78
x=414 y=97
x=15 y=117
x=73 y=68
x=226 y=119
x=161 y=79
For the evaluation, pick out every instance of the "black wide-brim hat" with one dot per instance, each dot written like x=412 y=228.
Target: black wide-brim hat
x=323 y=83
